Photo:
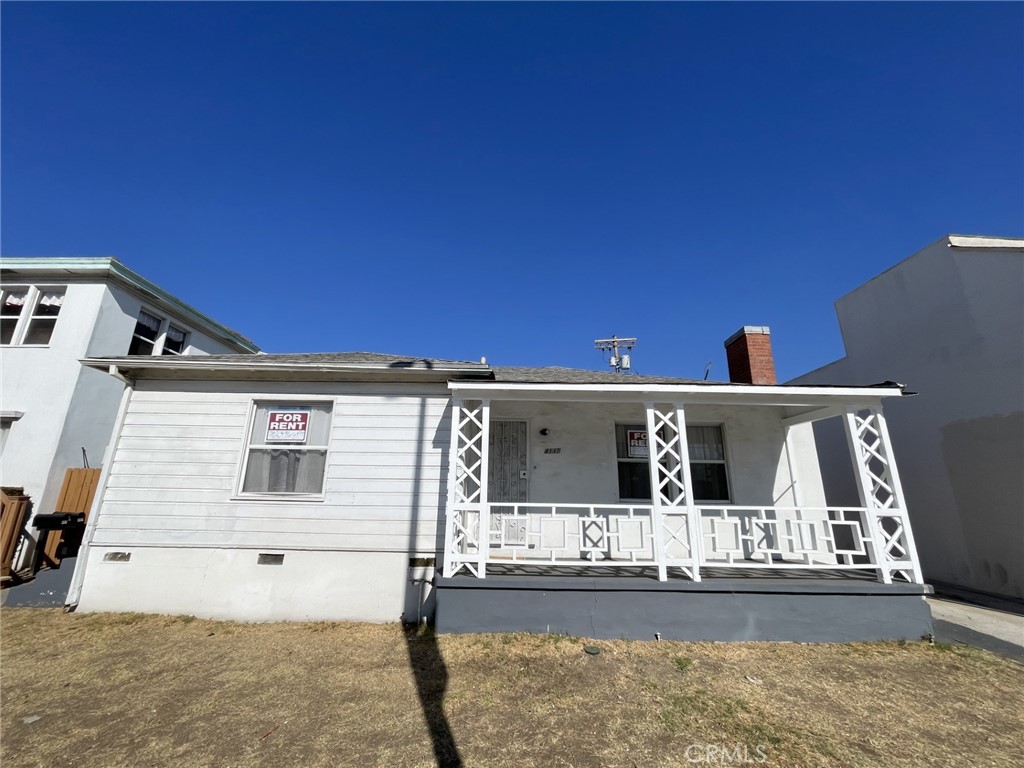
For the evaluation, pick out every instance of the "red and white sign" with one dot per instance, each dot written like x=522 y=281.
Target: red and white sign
x=287 y=426
x=636 y=443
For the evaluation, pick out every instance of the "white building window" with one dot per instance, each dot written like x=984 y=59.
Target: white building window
x=147 y=331
x=707 y=463
x=287 y=451
x=154 y=335
x=634 y=467
x=28 y=314
x=708 y=470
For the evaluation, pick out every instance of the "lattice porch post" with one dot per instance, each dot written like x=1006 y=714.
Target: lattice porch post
x=881 y=494
x=485 y=510
x=654 y=465
x=467 y=488
x=693 y=523
x=897 y=490
x=453 y=479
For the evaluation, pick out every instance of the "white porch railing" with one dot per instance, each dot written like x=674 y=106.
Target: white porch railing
x=675 y=531
x=627 y=536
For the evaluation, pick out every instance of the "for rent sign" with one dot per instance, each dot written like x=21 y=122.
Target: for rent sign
x=636 y=443
x=287 y=426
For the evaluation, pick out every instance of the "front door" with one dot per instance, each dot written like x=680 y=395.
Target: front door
x=508 y=477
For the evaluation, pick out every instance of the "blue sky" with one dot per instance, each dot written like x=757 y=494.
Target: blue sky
x=513 y=180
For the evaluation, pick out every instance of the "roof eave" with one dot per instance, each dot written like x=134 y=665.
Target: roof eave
x=108 y=267
x=198 y=364
x=692 y=393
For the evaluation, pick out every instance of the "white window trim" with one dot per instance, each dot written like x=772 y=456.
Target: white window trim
x=32 y=295
x=282 y=496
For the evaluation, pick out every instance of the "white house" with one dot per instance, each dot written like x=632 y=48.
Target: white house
x=949 y=322
x=55 y=413
x=330 y=486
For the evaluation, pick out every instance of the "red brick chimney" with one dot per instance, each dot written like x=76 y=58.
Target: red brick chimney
x=749 y=352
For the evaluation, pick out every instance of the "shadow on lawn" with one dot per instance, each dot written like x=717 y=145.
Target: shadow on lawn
x=431 y=676
x=425 y=660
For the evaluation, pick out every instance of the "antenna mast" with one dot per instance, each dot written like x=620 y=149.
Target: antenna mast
x=620 y=362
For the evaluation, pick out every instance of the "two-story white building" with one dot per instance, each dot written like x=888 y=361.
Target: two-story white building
x=55 y=413
x=949 y=322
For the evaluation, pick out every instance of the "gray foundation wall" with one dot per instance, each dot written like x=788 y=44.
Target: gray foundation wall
x=819 y=612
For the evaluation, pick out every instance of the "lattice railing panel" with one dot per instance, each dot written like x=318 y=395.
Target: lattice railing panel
x=464 y=549
x=571 y=533
x=785 y=537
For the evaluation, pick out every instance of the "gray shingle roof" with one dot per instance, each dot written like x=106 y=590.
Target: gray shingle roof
x=557 y=375
x=452 y=368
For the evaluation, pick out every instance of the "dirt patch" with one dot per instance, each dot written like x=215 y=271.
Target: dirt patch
x=129 y=690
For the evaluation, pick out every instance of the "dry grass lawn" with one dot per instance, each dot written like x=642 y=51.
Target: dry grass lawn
x=130 y=690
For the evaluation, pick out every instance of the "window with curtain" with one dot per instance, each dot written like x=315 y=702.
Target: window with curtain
x=11 y=306
x=43 y=319
x=707 y=462
x=147 y=331
x=28 y=314
x=287 y=449
x=174 y=341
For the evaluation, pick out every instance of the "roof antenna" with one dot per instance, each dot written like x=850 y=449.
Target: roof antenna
x=707 y=370
x=619 y=362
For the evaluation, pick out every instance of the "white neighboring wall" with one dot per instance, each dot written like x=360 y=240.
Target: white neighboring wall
x=40 y=382
x=949 y=323
x=171 y=502
x=65 y=406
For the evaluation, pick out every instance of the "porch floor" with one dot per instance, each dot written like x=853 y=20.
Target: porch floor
x=547 y=571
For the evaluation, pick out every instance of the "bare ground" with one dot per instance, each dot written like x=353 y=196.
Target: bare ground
x=131 y=690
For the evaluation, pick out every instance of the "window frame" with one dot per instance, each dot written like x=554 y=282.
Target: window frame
x=690 y=462
x=160 y=341
x=646 y=462
x=726 y=461
x=184 y=340
x=282 y=496
x=33 y=295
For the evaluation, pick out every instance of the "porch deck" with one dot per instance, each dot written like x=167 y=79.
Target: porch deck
x=727 y=605
x=630 y=574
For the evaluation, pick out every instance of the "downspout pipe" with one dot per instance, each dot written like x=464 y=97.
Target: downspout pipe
x=78 y=577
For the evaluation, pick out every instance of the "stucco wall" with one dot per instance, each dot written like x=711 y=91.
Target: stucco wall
x=41 y=381
x=948 y=323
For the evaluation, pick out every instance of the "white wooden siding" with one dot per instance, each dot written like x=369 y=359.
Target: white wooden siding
x=175 y=471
